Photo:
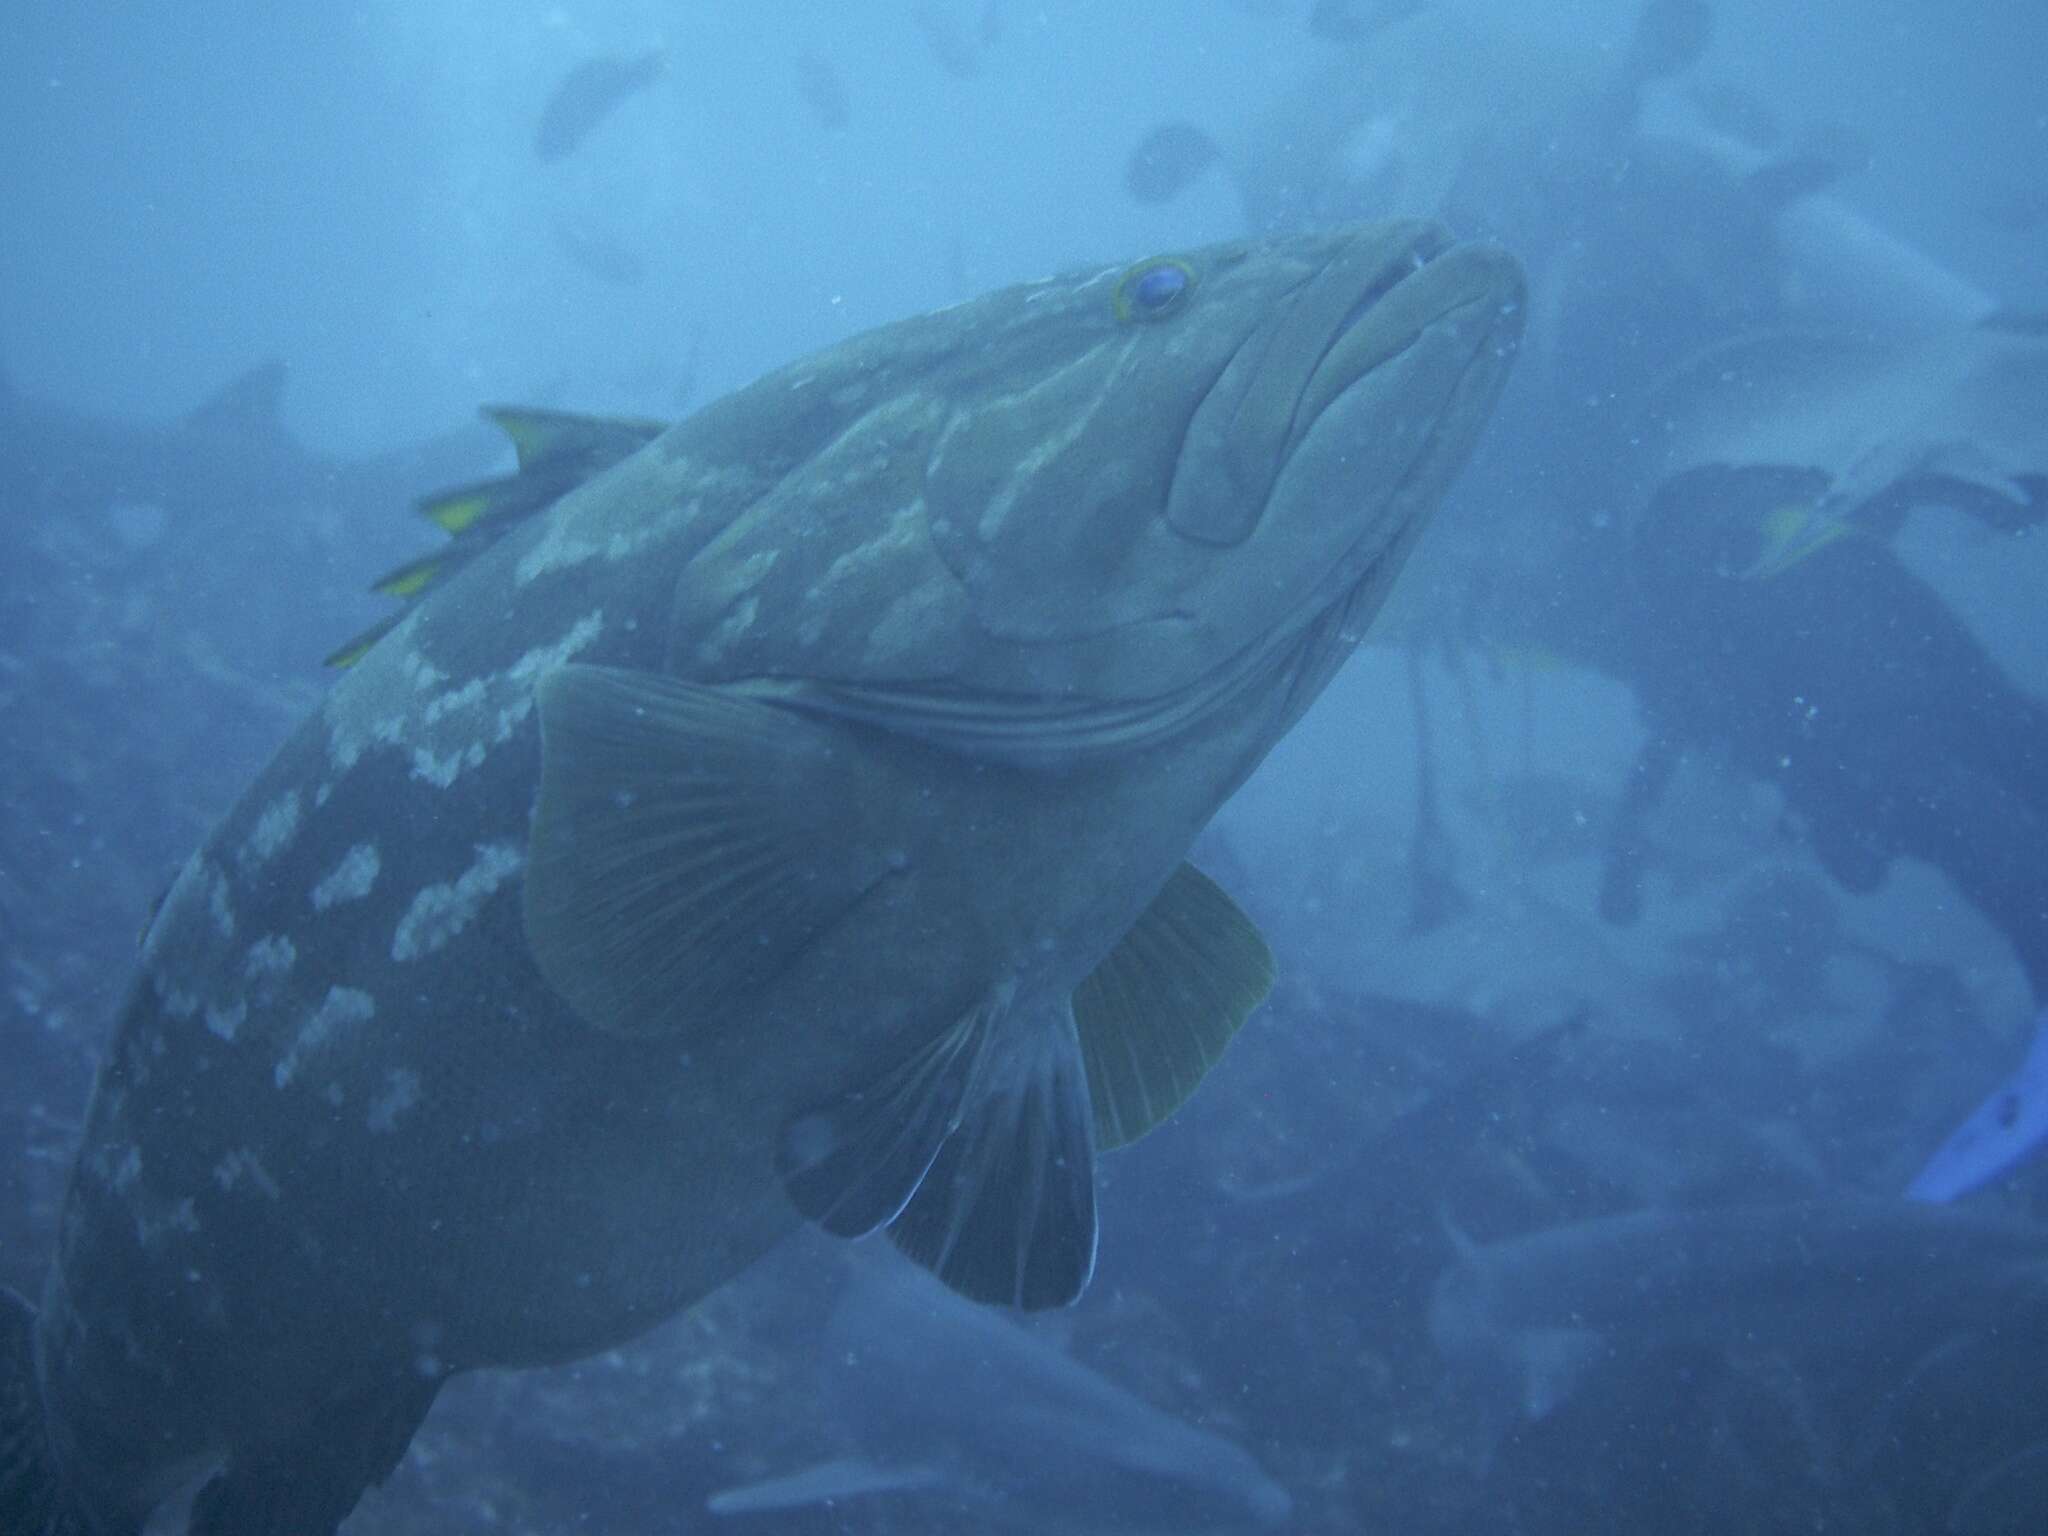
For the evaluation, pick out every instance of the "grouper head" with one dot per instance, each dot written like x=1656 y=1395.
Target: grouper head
x=996 y=607
x=1129 y=494
x=1240 y=439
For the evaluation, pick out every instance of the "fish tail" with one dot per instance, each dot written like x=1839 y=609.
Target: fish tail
x=33 y=1500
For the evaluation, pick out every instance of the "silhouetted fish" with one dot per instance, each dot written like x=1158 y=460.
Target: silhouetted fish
x=1346 y=21
x=1166 y=160
x=603 y=256
x=1535 y=1313
x=948 y=42
x=960 y=1403
x=823 y=91
x=590 y=93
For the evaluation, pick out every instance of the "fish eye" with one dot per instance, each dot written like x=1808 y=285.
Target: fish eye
x=1154 y=289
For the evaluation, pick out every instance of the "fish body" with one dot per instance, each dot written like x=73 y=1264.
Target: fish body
x=1536 y=1313
x=951 y=1401
x=786 y=822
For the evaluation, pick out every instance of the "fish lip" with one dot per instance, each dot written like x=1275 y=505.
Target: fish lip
x=1306 y=346
x=1410 y=299
x=1328 y=628
x=1430 y=242
x=1487 y=321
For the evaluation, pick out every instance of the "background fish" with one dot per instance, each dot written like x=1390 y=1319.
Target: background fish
x=960 y=1406
x=590 y=93
x=1887 y=1279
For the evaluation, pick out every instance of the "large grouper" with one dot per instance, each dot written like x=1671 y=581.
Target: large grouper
x=784 y=818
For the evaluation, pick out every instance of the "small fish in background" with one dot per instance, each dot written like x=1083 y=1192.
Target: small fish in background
x=1434 y=895
x=1668 y=38
x=1166 y=160
x=824 y=92
x=2001 y=1133
x=1348 y=21
x=590 y=93
x=950 y=1401
x=957 y=54
x=2019 y=211
x=1529 y=1321
x=605 y=257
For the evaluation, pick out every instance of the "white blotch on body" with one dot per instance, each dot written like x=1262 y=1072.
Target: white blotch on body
x=226 y=1020
x=347 y=745
x=401 y=700
x=243 y=1164
x=422 y=673
x=444 y=771
x=152 y=1226
x=545 y=658
x=440 y=912
x=178 y=1002
x=737 y=621
x=275 y=829
x=612 y=528
x=401 y=1092
x=270 y=957
x=128 y=1172
x=350 y=880
x=217 y=904
x=457 y=730
x=470 y=693
x=342 y=1009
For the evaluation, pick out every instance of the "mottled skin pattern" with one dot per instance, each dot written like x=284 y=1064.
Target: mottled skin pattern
x=347 y=1140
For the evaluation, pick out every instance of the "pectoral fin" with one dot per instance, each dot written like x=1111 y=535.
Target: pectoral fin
x=544 y=437
x=688 y=843
x=1158 y=1011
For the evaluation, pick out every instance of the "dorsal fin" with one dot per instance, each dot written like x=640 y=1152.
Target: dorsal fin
x=541 y=437
x=358 y=646
x=557 y=451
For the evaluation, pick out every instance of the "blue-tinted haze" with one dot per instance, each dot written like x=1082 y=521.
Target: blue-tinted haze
x=1678 y=844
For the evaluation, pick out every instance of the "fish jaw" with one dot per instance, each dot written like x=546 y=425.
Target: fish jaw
x=1389 y=415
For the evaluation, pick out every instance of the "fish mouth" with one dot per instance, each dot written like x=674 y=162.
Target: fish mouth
x=1469 y=294
x=1391 y=410
x=1343 y=350
x=1371 y=331
x=1383 y=420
